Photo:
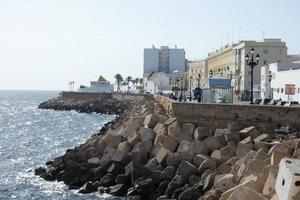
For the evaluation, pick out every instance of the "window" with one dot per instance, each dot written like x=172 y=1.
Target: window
x=279 y=61
x=265 y=51
x=265 y=62
x=281 y=90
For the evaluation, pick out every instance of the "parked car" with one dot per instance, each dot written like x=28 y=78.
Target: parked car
x=265 y=101
x=274 y=101
x=292 y=103
x=280 y=103
x=257 y=101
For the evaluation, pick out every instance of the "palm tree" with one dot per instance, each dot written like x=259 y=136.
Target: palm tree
x=124 y=83
x=128 y=80
x=135 y=82
x=119 y=80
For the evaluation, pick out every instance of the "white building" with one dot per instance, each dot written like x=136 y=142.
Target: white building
x=267 y=76
x=99 y=86
x=283 y=82
x=156 y=82
x=164 y=60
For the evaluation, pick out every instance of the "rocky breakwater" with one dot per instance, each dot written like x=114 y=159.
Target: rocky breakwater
x=151 y=156
x=104 y=105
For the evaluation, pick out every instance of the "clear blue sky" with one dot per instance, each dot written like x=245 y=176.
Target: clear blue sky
x=46 y=43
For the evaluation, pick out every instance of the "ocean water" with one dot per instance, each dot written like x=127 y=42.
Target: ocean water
x=29 y=137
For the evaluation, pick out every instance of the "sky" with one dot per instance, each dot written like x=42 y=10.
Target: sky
x=44 y=44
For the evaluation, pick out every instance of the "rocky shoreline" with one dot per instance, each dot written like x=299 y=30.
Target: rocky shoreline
x=145 y=154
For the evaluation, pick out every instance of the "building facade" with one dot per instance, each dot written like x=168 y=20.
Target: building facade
x=230 y=62
x=285 y=84
x=99 y=86
x=165 y=59
x=197 y=73
x=156 y=82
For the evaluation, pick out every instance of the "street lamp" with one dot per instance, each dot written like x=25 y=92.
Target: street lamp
x=177 y=80
x=251 y=63
x=270 y=79
x=190 y=88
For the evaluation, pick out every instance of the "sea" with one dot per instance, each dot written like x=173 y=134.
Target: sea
x=29 y=137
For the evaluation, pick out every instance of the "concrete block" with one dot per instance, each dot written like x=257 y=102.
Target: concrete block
x=113 y=141
x=169 y=121
x=279 y=148
x=135 y=138
x=124 y=146
x=251 y=132
x=201 y=133
x=186 y=169
x=242 y=149
x=184 y=147
x=162 y=156
x=213 y=143
x=277 y=156
x=170 y=143
x=160 y=129
x=261 y=138
x=261 y=155
x=147 y=134
x=254 y=182
x=150 y=121
x=199 y=147
x=232 y=137
x=247 y=140
x=224 y=182
x=174 y=130
x=246 y=193
x=288 y=180
x=159 y=139
x=173 y=160
x=121 y=157
x=269 y=187
x=198 y=159
x=221 y=132
x=223 y=154
x=208 y=163
x=187 y=132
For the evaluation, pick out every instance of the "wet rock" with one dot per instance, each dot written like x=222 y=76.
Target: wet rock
x=122 y=179
x=107 y=180
x=163 y=186
x=39 y=171
x=87 y=188
x=176 y=182
x=93 y=162
x=118 y=190
x=178 y=191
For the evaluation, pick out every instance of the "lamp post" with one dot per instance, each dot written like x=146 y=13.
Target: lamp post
x=177 y=80
x=251 y=63
x=198 y=79
x=190 y=88
x=270 y=79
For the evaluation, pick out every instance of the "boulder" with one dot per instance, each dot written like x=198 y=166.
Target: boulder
x=118 y=190
x=201 y=133
x=169 y=143
x=198 y=159
x=87 y=188
x=242 y=149
x=246 y=193
x=187 y=132
x=147 y=134
x=139 y=157
x=269 y=187
x=224 y=182
x=232 y=137
x=93 y=162
x=124 y=146
x=39 y=171
x=186 y=169
x=262 y=138
x=212 y=143
x=160 y=129
x=199 y=147
x=135 y=138
x=168 y=173
x=150 y=121
x=184 y=147
x=162 y=156
x=176 y=182
x=173 y=160
x=277 y=156
x=251 y=132
x=224 y=154
x=208 y=163
x=121 y=157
